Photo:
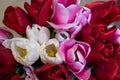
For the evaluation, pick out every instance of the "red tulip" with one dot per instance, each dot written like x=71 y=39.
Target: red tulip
x=105 y=59
x=104 y=12
x=97 y=32
x=50 y=72
x=16 y=19
x=16 y=77
x=7 y=62
x=39 y=11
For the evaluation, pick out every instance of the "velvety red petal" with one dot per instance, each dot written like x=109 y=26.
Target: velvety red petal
x=8 y=10
x=43 y=68
x=64 y=70
x=92 y=77
x=37 y=4
x=17 y=28
x=95 y=57
x=45 y=13
x=103 y=10
x=52 y=72
x=108 y=21
x=17 y=19
x=32 y=12
x=10 y=16
x=16 y=77
x=4 y=71
x=85 y=35
x=7 y=61
x=94 y=5
x=114 y=11
x=106 y=70
x=22 y=18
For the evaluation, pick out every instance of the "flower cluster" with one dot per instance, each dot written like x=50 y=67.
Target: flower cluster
x=61 y=40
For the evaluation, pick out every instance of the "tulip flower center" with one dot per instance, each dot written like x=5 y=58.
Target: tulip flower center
x=64 y=36
x=76 y=56
x=51 y=50
x=22 y=52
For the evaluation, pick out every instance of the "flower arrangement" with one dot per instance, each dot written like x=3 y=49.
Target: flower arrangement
x=61 y=40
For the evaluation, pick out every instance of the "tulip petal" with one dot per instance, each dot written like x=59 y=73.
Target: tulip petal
x=44 y=13
x=5 y=34
x=61 y=14
x=62 y=26
x=49 y=52
x=63 y=47
x=24 y=51
x=31 y=11
x=72 y=10
x=84 y=75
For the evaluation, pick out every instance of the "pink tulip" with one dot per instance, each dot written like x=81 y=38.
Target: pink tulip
x=4 y=34
x=116 y=36
x=30 y=73
x=69 y=15
x=74 y=54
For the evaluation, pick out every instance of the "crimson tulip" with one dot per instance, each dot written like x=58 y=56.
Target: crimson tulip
x=39 y=11
x=16 y=19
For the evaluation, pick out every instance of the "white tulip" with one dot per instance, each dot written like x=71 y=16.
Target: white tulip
x=24 y=51
x=38 y=33
x=49 y=52
x=62 y=35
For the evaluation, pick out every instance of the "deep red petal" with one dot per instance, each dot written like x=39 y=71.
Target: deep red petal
x=94 y=5
x=106 y=70
x=16 y=77
x=22 y=18
x=103 y=10
x=32 y=12
x=45 y=13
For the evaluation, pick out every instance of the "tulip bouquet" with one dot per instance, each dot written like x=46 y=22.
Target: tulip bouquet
x=61 y=40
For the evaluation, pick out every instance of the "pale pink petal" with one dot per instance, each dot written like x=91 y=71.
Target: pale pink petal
x=75 y=67
x=83 y=16
x=81 y=19
x=75 y=30
x=84 y=75
x=81 y=58
x=72 y=10
x=86 y=48
x=70 y=54
x=116 y=36
x=64 y=46
x=60 y=14
x=62 y=26
x=30 y=73
x=87 y=13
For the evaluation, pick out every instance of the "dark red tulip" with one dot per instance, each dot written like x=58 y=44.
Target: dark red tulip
x=39 y=11
x=16 y=19
x=7 y=62
x=104 y=12
x=50 y=72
